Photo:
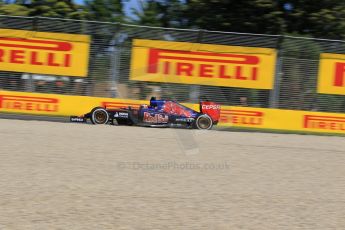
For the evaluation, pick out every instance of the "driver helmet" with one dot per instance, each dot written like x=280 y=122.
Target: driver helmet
x=153 y=102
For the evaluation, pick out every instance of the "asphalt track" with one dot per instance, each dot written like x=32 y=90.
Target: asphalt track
x=58 y=175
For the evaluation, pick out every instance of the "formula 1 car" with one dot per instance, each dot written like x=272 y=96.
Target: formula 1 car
x=159 y=113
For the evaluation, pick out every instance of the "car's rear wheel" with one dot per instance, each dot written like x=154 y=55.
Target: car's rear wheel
x=204 y=122
x=99 y=116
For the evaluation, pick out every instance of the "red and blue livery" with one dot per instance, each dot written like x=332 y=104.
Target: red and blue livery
x=158 y=113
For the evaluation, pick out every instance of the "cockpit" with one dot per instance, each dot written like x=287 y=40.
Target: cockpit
x=153 y=102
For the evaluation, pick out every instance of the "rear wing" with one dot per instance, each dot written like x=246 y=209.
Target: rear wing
x=210 y=108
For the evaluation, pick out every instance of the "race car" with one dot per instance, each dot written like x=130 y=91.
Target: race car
x=158 y=113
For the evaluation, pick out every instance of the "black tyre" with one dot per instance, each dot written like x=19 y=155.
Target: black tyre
x=99 y=116
x=204 y=122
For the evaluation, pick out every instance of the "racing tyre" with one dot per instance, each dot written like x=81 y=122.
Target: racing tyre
x=99 y=116
x=204 y=122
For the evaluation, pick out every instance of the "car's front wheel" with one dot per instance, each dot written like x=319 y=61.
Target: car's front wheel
x=99 y=116
x=204 y=122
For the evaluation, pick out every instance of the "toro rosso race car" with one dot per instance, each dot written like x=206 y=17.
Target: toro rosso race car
x=159 y=113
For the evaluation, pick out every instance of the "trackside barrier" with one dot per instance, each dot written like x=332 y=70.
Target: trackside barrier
x=232 y=116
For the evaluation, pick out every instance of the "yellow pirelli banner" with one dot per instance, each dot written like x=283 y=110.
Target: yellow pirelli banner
x=44 y=53
x=231 y=116
x=56 y=104
x=290 y=120
x=202 y=64
x=331 y=78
